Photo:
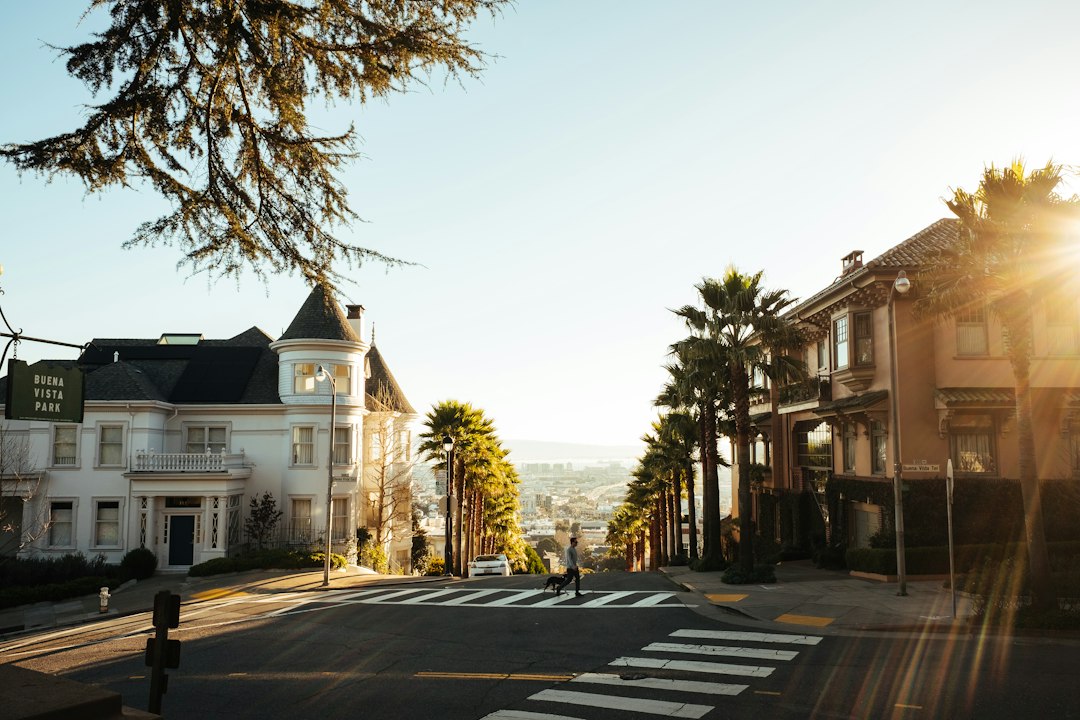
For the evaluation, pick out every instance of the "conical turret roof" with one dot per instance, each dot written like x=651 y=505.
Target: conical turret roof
x=320 y=317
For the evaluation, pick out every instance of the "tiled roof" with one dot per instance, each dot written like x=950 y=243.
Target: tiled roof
x=320 y=318
x=976 y=397
x=918 y=248
x=854 y=402
x=380 y=386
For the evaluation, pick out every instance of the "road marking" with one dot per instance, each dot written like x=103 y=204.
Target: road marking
x=429 y=596
x=748 y=636
x=525 y=715
x=513 y=597
x=708 y=688
x=391 y=596
x=494 y=676
x=654 y=599
x=217 y=594
x=608 y=598
x=472 y=595
x=767 y=692
x=720 y=598
x=728 y=651
x=902 y=706
x=693 y=666
x=804 y=620
x=614 y=702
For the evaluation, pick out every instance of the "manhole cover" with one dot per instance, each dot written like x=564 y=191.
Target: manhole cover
x=632 y=676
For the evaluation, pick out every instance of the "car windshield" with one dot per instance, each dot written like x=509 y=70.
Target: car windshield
x=488 y=558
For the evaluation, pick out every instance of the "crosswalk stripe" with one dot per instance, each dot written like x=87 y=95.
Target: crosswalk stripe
x=525 y=715
x=399 y=593
x=708 y=688
x=513 y=597
x=474 y=595
x=608 y=598
x=429 y=596
x=653 y=599
x=700 y=666
x=615 y=702
x=755 y=653
x=553 y=600
x=748 y=636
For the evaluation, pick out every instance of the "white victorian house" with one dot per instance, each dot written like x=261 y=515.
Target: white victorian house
x=180 y=432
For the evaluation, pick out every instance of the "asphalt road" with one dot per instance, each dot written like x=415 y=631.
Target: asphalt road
x=500 y=648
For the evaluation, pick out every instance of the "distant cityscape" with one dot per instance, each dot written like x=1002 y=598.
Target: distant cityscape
x=564 y=483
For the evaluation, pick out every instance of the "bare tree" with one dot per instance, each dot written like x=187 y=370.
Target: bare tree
x=23 y=516
x=388 y=473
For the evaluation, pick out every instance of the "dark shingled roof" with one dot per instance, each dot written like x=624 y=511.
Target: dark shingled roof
x=242 y=369
x=855 y=402
x=380 y=378
x=989 y=397
x=321 y=318
x=918 y=248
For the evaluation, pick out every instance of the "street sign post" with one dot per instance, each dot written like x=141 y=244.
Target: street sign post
x=948 y=501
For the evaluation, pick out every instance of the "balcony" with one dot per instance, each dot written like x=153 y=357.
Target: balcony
x=186 y=462
x=805 y=395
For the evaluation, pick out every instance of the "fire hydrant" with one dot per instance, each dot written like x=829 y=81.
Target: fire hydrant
x=104 y=597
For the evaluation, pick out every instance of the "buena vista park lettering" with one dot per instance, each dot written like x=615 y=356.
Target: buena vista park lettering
x=44 y=391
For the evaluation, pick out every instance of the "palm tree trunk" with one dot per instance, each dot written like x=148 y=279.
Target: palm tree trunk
x=664 y=528
x=712 y=557
x=691 y=508
x=1043 y=596
x=459 y=490
x=676 y=512
x=740 y=391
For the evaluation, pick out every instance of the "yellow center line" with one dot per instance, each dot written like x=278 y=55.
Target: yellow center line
x=493 y=676
x=216 y=594
x=908 y=707
x=766 y=692
x=721 y=598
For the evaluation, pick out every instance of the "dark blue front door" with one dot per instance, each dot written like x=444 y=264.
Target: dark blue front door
x=181 y=539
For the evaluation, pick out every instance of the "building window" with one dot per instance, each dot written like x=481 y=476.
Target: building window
x=1061 y=331
x=1074 y=451
x=299 y=519
x=234 y=520
x=304 y=378
x=107 y=523
x=343 y=445
x=971 y=337
x=376 y=445
x=206 y=438
x=814 y=445
x=879 y=439
x=840 y=342
x=864 y=339
x=303 y=445
x=65 y=444
x=340 y=518
x=823 y=358
x=405 y=445
x=62 y=523
x=971 y=444
x=111 y=445
x=850 y=438
x=342 y=379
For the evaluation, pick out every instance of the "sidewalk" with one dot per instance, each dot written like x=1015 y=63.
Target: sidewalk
x=138 y=596
x=829 y=601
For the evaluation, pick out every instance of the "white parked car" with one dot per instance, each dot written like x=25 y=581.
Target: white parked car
x=497 y=564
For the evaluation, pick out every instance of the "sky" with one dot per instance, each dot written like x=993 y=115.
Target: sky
x=612 y=155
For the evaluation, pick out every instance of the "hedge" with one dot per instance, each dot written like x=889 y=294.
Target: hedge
x=935 y=560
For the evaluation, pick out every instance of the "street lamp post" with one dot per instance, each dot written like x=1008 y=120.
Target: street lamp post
x=448 y=549
x=900 y=286
x=320 y=375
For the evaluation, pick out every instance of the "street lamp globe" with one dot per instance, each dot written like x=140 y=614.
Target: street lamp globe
x=447 y=443
x=901 y=284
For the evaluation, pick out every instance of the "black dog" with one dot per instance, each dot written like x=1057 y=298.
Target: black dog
x=552 y=583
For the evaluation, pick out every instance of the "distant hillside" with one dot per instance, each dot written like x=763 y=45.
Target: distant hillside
x=535 y=451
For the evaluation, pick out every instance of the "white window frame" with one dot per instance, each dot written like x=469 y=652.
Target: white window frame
x=841 y=350
x=304 y=378
x=122 y=442
x=339 y=517
x=861 y=340
x=342 y=378
x=849 y=434
x=959 y=428
x=74 y=429
x=343 y=449
x=972 y=323
x=294 y=456
x=214 y=446
x=73 y=522
x=879 y=448
x=98 y=522
x=300 y=526
x=1061 y=329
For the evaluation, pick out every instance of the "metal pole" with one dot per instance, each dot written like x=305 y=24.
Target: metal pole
x=898 y=480
x=949 y=499
x=330 y=478
x=448 y=550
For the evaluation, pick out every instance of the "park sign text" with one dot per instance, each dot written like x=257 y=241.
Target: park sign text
x=44 y=391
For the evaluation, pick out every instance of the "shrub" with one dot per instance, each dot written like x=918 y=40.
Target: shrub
x=139 y=563
x=266 y=560
x=533 y=564
x=679 y=559
x=762 y=573
x=704 y=564
x=434 y=565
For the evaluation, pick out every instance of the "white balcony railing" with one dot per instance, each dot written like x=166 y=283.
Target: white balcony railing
x=185 y=462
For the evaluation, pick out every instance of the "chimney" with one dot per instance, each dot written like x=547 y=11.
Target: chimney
x=355 y=316
x=852 y=262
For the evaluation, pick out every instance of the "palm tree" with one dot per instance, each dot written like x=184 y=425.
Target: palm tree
x=1008 y=256
x=739 y=313
x=685 y=422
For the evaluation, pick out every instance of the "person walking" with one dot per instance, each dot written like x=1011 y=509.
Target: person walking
x=573 y=572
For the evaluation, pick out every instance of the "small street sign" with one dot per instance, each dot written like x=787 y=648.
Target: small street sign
x=922 y=467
